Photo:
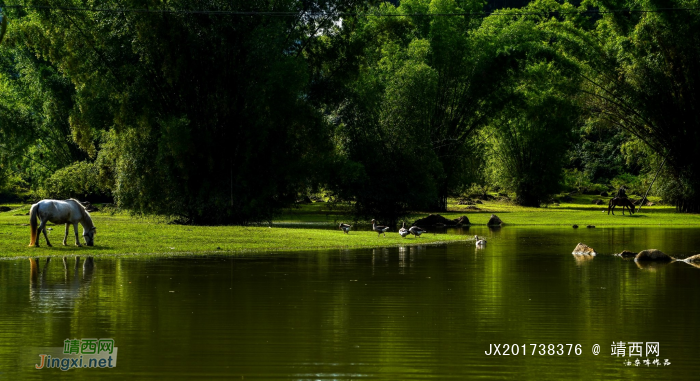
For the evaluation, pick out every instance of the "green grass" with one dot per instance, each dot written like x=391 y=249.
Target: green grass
x=580 y=211
x=305 y=228
x=121 y=234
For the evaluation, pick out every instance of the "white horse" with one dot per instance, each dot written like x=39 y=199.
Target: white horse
x=61 y=212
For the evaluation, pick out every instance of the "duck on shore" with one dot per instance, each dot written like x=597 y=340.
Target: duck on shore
x=380 y=229
x=344 y=227
x=403 y=232
x=416 y=231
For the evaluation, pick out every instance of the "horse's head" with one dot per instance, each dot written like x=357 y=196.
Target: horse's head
x=89 y=235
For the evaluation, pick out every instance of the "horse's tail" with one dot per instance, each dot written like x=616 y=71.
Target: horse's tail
x=33 y=223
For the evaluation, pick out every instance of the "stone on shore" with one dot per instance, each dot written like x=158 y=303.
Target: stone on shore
x=438 y=220
x=494 y=221
x=693 y=259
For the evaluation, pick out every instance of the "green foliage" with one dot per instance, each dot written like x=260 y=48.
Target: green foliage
x=35 y=102
x=203 y=118
x=641 y=75
x=632 y=183
x=228 y=119
x=532 y=133
x=79 y=180
x=423 y=88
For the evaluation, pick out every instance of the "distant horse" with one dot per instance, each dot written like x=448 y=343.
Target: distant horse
x=61 y=212
x=623 y=202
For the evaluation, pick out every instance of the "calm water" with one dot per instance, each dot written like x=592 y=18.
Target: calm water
x=400 y=313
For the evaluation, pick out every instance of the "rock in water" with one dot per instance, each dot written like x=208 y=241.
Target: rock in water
x=652 y=255
x=583 y=249
x=693 y=259
x=626 y=254
x=494 y=221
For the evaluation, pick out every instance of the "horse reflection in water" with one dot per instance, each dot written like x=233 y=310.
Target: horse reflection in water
x=48 y=291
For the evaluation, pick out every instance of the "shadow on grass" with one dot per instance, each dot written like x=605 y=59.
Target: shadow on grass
x=70 y=249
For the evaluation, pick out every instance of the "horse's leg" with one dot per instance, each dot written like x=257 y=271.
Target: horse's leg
x=65 y=237
x=42 y=227
x=613 y=209
x=75 y=229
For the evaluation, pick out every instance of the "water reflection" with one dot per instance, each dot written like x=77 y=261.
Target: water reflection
x=582 y=259
x=651 y=265
x=408 y=312
x=48 y=289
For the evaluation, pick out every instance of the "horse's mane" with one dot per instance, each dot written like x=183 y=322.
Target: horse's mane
x=82 y=209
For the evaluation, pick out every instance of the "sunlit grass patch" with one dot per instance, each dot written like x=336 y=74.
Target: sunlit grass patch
x=121 y=234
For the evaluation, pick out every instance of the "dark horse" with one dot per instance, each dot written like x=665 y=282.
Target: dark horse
x=623 y=202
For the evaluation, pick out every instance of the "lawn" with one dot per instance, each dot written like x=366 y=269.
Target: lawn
x=580 y=211
x=121 y=234
x=307 y=227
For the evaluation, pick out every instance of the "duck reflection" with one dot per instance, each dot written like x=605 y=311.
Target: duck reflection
x=49 y=289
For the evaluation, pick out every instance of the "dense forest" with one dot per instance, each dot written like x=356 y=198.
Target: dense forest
x=217 y=111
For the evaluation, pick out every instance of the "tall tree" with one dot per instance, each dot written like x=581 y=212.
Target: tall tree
x=201 y=116
x=427 y=80
x=642 y=74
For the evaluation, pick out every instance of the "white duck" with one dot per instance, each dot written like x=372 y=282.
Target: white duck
x=416 y=231
x=344 y=227
x=403 y=232
x=479 y=242
x=379 y=228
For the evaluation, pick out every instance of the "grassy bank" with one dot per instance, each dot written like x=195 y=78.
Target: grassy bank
x=306 y=228
x=121 y=234
x=580 y=211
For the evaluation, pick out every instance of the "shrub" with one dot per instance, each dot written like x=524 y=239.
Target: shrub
x=79 y=180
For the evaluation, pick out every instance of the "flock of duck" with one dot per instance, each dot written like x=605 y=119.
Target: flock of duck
x=403 y=232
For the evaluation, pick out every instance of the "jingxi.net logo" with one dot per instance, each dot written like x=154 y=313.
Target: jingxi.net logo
x=76 y=354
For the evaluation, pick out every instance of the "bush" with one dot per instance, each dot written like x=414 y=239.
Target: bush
x=632 y=183
x=79 y=180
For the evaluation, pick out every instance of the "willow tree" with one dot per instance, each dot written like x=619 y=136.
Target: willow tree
x=641 y=73
x=199 y=115
x=35 y=103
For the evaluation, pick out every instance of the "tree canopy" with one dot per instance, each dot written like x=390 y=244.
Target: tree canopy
x=229 y=116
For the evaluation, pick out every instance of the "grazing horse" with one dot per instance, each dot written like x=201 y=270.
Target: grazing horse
x=61 y=212
x=623 y=202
